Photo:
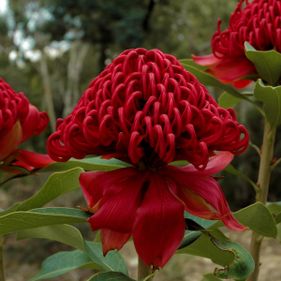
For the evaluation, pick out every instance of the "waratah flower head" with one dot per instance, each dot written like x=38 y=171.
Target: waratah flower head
x=257 y=22
x=146 y=109
x=19 y=120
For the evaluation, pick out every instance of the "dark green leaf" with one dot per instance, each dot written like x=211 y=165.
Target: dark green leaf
x=88 y=164
x=271 y=99
x=241 y=266
x=66 y=234
x=267 y=63
x=17 y=221
x=113 y=261
x=61 y=263
x=204 y=247
x=57 y=184
x=110 y=276
x=236 y=261
x=189 y=238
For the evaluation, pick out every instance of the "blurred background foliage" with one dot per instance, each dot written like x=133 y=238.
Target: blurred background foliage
x=52 y=49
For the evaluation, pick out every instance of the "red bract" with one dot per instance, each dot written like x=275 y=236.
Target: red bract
x=19 y=120
x=146 y=109
x=257 y=22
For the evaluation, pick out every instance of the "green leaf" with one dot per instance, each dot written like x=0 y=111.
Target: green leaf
x=227 y=100
x=271 y=99
x=66 y=234
x=267 y=63
x=110 y=276
x=210 y=80
x=236 y=261
x=202 y=222
x=189 y=238
x=61 y=263
x=210 y=277
x=241 y=266
x=88 y=164
x=57 y=184
x=258 y=218
x=113 y=261
x=204 y=247
x=275 y=209
x=20 y=220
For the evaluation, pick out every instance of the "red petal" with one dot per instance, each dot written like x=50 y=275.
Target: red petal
x=206 y=60
x=30 y=160
x=112 y=240
x=92 y=187
x=203 y=197
x=34 y=123
x=229 y=70
x=121 y=198
x=216 y=164
x=159 y=225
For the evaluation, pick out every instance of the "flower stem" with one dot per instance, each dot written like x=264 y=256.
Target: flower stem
x=2 y=276
x=143 y=271
x=263 y=186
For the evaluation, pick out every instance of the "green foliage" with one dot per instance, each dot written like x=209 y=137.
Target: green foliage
x=63 y=233
x=88 y=164
x=20 y=220
x=267 y=63
x=57 y=184
x=60 y=263
x=111 y=262
x=210 y=277
x=236 y=261
x=271 y=99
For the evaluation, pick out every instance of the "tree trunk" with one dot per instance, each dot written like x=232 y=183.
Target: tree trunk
x=77 y=57
x=48 y=95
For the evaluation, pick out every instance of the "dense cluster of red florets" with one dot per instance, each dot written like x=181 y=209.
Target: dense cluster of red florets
x=19 y=120
x=146 y=108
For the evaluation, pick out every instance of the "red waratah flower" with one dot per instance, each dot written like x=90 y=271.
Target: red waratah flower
x=19 y=120
x=257 y=22
x=146 y=109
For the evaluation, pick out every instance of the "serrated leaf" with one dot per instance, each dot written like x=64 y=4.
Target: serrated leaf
x=236 y=261
x=66 y=234
x=242 y=265
x=88 y=164
x=267 y=63
x=210 y=80
x=113 y=261
x=271 y=99
x=60 y=263
x=110 y=276
x=57 y=184
x=227 y=100
x=17 y=221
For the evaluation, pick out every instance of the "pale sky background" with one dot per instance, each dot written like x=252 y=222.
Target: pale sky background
x=3 y=6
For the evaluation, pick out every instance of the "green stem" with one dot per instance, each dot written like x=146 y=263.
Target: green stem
x=2 y=276
x=263 y=186
x=143 y=271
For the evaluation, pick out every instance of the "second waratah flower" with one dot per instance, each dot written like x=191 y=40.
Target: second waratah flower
x=19 y=121
x=147 y=110
x=257 y=22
